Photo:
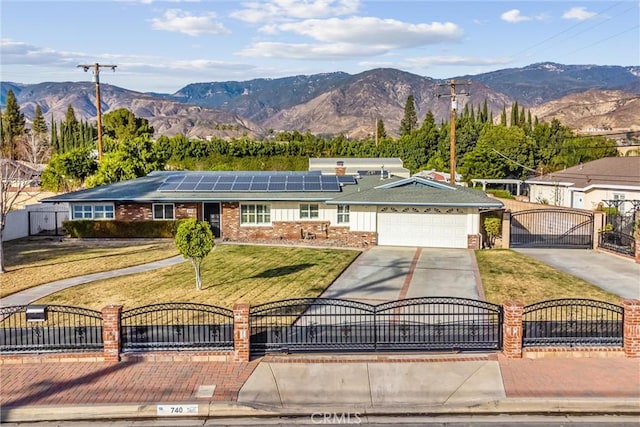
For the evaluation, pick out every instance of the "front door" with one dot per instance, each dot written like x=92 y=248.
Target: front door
x=212 y=216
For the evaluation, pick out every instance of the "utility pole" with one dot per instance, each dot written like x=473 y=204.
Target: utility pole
x=452 y=119
x=96 y=73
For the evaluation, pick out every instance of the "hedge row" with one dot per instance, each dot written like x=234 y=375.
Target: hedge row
x=120 y=229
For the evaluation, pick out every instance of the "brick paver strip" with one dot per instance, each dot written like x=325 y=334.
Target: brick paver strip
x=124 y=382
x=571 y=377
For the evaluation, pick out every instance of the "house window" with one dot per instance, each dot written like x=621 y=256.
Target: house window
x=82 y=212
x=163 y=211
x=619 y=198
x=343 y=214
x=103 y=212
x=92 y=212
x=309 y=211
x=255 y=214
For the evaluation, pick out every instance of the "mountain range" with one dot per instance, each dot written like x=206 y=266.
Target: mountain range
x=581 y=96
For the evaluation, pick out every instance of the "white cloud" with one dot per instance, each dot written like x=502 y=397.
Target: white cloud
x=351 y=37
x=579 y=13
x=514 y=16
x=179 y=21
x=284 y=10
x=372 y=31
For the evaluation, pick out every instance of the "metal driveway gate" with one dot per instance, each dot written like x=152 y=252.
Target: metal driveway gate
x=324 y=324
x=552 y=228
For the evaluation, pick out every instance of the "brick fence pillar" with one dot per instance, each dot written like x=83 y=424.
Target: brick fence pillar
x=512 y=329
x=599 y=221
x=637 y=254
x=241 y=333
x=506 y=229
x=631 y=328
x=111 y=332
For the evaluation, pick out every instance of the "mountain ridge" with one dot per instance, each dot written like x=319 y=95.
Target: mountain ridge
x=334 y=103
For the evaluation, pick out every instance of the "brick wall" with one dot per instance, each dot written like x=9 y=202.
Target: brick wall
x=188 y=210
x=290 y=231
x=133 y=211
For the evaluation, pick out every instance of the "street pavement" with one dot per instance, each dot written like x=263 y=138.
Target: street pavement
x=615 y=274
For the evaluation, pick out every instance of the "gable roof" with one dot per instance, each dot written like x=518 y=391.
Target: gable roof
x=367 y=190
x=612 y=172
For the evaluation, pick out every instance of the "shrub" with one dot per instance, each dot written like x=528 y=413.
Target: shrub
x=492 y=227
x=503 y=194
x=120 y=229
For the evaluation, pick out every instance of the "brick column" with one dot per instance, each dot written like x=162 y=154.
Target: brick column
x=506 y=229
x=512 y=329
x=637 y=250
x=241 y=333
x=599 y=221
x=631 y=328
x=111 y=332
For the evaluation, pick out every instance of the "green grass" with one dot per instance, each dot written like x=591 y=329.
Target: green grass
x=508 y=275
x=34 y=262
x=230 y=274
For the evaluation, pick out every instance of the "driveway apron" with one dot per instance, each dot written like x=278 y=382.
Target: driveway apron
x=390 y=273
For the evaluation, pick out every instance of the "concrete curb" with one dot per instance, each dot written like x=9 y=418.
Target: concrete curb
x=519 y=406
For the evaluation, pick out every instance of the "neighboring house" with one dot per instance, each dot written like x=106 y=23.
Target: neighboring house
x=274 y=206
x=587 y=185
x=21 y=174
x=438 y=176
x=359 y=166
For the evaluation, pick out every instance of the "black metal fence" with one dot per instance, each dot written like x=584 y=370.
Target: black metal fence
x=50 y=328
x=323 y=324
x=177 y=326
x=621 y=222
x=551 y=228
x=573 y=323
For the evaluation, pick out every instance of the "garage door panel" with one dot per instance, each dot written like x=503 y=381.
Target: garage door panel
x=422 y=229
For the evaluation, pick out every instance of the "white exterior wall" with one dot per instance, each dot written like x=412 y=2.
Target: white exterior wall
x=473 y=221
x=555 y=195
x=16 y=225
x=593 y=197
x=17 y=222
x=362 y=218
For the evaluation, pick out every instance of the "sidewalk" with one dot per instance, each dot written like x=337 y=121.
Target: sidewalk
x=278 y=385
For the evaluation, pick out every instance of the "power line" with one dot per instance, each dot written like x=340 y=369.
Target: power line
x=602 y=40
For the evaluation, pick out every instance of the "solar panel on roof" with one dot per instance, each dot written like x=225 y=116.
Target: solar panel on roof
x=261 y=178
x=278 y=178
x=276 y=186
x=210 y=178
x=259 y=186
x=294 y=178
x=295 y=186
x=192 y=178
x=346 y=179
x=241 y=186
x=312 y=186
x=223 y=186
x=174 y=178
x=204 y=186
x=186 y=186
x=227 y=178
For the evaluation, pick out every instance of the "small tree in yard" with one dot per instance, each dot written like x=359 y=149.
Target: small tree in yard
x=194 y=240
x=492 y=228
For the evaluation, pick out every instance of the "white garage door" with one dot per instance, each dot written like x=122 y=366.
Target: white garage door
x=434 y=230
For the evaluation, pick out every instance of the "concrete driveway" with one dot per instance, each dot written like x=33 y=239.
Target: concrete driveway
x=390 y=273
x=610 y=272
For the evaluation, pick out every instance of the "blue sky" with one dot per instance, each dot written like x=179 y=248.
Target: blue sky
x=162 y=46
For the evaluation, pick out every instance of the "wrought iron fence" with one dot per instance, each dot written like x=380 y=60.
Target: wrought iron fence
x=324 y=324
x=50 y=328
x=552 y=228
x=618 y=242
x=572 y=323
x=177 y=326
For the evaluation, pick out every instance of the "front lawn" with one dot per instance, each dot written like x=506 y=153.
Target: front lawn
x=34 y=262
x=230 y=274
x=509 y=275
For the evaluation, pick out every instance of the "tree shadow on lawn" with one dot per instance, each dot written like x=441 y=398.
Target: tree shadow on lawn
x=282 y=271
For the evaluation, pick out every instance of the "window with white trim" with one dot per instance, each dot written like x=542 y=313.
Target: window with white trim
x=309 y=211
x=92 y=212
x=82 y=212
x=103 y=212
x=163 y=211
x=343 y=214
x=255 y=214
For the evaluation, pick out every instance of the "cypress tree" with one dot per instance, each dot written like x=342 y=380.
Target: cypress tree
x=13 y=125
x=38 y=126
x=410 y=120
x=503 y=117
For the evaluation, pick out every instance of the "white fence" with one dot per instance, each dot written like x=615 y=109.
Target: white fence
x=33 y=220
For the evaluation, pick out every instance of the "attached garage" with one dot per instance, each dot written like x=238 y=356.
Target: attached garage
x=425 y=227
